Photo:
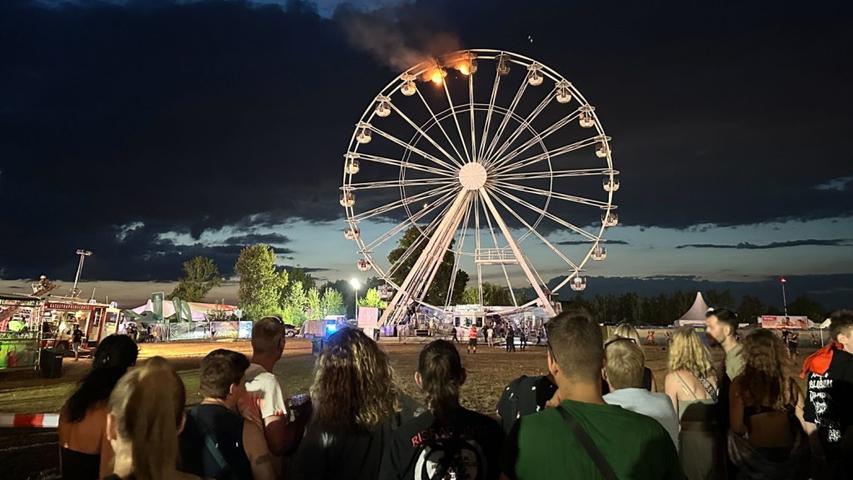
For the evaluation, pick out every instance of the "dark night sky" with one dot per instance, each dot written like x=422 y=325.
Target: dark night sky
x=148 y=131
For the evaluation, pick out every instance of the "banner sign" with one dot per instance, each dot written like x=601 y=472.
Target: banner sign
x=782 y=321
x=71 y=306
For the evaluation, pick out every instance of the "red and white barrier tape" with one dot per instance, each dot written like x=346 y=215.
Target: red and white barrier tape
x=31 y=420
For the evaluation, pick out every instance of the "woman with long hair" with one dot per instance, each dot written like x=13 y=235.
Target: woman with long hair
x=146 y=414
x=691 y=384
x=461 y=442
x=355 y=402
x=766 y=436
x=84 y=452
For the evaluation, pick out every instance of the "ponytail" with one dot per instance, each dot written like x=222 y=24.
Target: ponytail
x=148 y=408
x=440 y=368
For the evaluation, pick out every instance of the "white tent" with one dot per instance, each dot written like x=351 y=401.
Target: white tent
x=197 y=309
x=696 y=314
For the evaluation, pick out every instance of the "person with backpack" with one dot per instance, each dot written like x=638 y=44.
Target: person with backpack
x=448 y=440
x=216 y=441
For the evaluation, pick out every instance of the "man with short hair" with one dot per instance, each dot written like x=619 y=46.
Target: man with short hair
x=268 y=339
x=472 y=338
x=721 y=327
x=583 y=437
x=623 y=370
x=829 y=395
x=216 y=441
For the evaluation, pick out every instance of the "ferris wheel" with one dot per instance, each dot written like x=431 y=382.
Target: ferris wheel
x=485 y=159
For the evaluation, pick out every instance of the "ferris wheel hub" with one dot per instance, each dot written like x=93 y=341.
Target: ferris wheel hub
x=472 y=176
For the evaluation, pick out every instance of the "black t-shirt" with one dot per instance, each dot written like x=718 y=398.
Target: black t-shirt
x=211 y=444
x=466 y=443
x=355 y=455
x=524 y=396
x=829 y=401
x=77 y=336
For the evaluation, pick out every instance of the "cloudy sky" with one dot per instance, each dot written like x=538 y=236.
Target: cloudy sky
x=152 y=131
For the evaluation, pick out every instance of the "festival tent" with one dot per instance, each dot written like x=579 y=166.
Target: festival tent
x=696 y=315
x=198 y=310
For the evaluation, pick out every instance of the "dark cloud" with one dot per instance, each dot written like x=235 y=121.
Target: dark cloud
x=191 y=116
x=836 y=242
x=252 y=238
x=578 y=242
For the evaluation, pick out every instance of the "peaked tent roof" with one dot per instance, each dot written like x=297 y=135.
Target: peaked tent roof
x=697 y=311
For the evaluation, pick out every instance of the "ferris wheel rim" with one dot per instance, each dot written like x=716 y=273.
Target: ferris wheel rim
x=394 y=86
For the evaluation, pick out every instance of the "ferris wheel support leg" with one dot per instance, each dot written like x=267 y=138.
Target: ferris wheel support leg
x=427 y=262
x=528 y=272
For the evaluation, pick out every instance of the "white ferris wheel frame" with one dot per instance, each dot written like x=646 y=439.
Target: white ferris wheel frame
x=457 y=199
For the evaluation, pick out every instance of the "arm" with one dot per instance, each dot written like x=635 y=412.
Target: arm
x=654 y=384
x=107 y=454
x=262 y=462
x=736 y=409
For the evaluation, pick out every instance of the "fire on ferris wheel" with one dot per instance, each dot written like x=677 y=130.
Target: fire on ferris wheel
x=484 y=153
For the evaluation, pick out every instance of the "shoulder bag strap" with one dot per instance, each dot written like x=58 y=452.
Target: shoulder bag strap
x=588 y=445
x=210 y=444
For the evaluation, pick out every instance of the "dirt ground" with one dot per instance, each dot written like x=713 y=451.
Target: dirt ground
x=33 y=453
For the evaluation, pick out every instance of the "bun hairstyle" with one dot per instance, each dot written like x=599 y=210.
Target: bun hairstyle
x=442 y=375
x=113 y=356
x=147 y=407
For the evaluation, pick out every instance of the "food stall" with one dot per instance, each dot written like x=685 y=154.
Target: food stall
x=19 y=332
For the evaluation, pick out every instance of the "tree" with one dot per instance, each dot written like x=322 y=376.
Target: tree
x=200 y=276
x=371 y=298
x=293 y=310
x=751 y=308
x=315 y=304
x=803 y=305
x=260 y=283
x=333 y=302
x=496 y=295
x=471 y=296
x=298 y=274
x=437 y=292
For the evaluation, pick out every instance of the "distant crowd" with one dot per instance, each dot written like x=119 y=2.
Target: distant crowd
x=598 y=413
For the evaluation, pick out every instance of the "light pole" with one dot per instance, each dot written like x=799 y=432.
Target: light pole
x=784 y=299
x=355 y=286
x=83 y=254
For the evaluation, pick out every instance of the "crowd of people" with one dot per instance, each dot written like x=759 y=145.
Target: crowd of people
x=596 y=414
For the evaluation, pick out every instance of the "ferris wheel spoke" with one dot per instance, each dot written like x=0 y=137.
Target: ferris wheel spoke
x=545 y=193
x=579 y=172
x=423 y=134
x=456 y=120
x=402 y=202
x=458 y=159
x=477 y=243
x=522 y=125
x=424 y=233
x=554 y=127
x=410 y=221
x=400 y=163
x=415 y=182
x=497 y=247
x=541 y=237
x=458 y=254
x=507 y=167
x=510 y=111
x=489 y=111
x=547 y=214
x=413 y=148
x=471 y=109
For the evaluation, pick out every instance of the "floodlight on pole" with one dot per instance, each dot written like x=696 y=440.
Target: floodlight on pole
x=83 y=254
x=355 y=286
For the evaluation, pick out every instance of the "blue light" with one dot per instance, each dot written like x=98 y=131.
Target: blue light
x=331 y=328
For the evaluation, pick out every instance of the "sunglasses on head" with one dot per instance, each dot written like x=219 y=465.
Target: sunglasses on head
x=618 y=339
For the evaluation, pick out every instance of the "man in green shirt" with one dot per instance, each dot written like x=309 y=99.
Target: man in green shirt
x=545 y=446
